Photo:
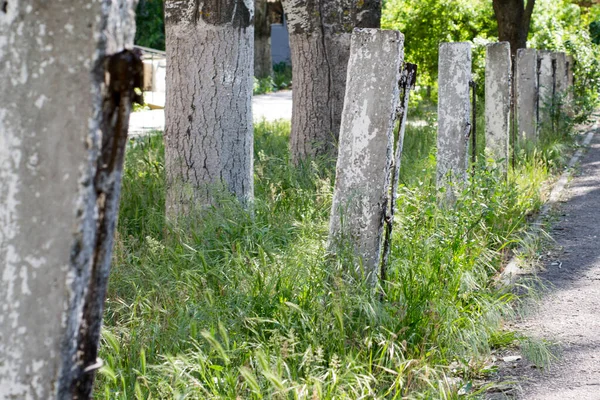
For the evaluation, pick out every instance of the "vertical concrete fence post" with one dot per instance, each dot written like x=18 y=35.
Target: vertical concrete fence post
x=570 y=83
x=407 y=83
x=498 y=88
x=545 y=89
x=366 y=145
x=63 y=133
x=570 y=69
x=526 y=92
x=454 y=121
x=560 y=79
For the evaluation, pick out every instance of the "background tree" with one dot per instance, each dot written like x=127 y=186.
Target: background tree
x=562 y=25
x=587 y=3
x=263 y=63
x=428 y=23
x=514 y=19
x=150 y=24
x=320 y=32
x=59 y=186
x=208 y=130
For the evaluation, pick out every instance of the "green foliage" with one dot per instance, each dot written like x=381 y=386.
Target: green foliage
x=282 y=75
x=140 y=107
x=263 y=85
x=240 y=305
x=428 y=23
x=150 y=24
x=594 y=29
x=562 y=26
x=556 y=25
x=282 y=79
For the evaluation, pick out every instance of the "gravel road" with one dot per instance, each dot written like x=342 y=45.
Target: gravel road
x=569 y=314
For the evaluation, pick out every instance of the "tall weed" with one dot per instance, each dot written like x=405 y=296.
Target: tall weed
x=240 y=305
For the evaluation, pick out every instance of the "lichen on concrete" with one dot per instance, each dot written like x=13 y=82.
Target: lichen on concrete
x=366 y=144
x=454 y=116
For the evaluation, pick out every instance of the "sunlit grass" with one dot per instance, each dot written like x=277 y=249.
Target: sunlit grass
x=250 y=306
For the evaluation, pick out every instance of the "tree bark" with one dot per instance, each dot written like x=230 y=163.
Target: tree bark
x=54 y=142
x=263 y=63
x=514 y=18
x=208 y=132
x=320 y=32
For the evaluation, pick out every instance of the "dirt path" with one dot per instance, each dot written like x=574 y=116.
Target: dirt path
x=569 y=315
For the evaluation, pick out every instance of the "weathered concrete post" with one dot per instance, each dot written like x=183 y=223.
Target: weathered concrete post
x=545 y=89
x=526 y=92
x=407 y=83
x=498 y=89
x=570 y=69
x=570 y=83
x=366 y=145
x=560 y=78
x=63 y=132
x=454 y=121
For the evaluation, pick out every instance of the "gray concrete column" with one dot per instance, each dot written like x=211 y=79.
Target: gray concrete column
x=545 y=88
x=570 y=84
x=526 y=92
x=570 y=69
x=560 y=77
x=62 y=135
x=366 y=145
x=498 y=87
x=454 y=119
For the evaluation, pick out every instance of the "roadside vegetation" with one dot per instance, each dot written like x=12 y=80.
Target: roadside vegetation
x=569 y=26
x=234 y=304
x=281 y=79
x=251 y=305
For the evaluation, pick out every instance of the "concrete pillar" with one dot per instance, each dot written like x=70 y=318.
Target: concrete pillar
x=498 y=87
x=570 y=84
x=366 y=145
x=57 y=215
x=545 y=88
x=570 y=68
x=454 y=119
x=526 y=92
x=560 y=77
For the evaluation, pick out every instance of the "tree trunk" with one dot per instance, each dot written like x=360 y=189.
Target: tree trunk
x=320 y=32
x=263 y=64
x=513 y=19
x=208 y=132
x=58 y=194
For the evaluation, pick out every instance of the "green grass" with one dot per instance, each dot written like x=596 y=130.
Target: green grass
x=240 y=306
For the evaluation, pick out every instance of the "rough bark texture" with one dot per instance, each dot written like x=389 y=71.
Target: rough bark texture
x=52 y=63
x=514 y=18
x=263 y=64
x=320 y=33
x=498 y=89
x=208 y=132
x=454 y=116
x=363 y=173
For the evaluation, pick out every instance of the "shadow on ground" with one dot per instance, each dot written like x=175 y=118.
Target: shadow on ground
x=568 y=313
